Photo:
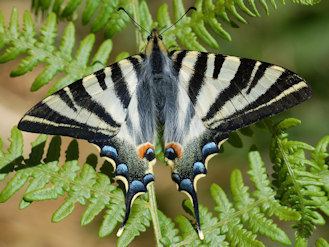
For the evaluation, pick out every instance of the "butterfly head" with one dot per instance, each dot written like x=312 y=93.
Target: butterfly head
x=154 y=43
x=154 y=34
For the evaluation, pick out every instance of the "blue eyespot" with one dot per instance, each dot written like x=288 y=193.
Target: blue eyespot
x=170 y=154
x=110 y=152
x=209 y=148
x=186 y=185
x=137 y=186
x=176 y=178
x=199 y=168
x=149 y=154
x=148 y=178
x=122 y=170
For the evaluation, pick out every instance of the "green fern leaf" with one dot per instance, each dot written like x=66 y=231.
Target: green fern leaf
x=233 y=229
x=320 y=154
x=42 y=49
x=79 y=192
x=102 y=15
x=70 y=8
x=139 y=220
x=186 y=229
x=146 y=20
x=265 y=193
x=321 y=242
x=298 y=180
x=81 y=185
x=113 y=215
x=13 y=157
x=254 y=219
x=15 y=184
x=99 y=200
x=35 y=157
x=209 y=224
x=168 y=231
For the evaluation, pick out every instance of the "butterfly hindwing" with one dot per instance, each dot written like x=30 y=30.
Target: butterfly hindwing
x=103 y=109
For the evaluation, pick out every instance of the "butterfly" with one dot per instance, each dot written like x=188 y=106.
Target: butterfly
x=196 y=98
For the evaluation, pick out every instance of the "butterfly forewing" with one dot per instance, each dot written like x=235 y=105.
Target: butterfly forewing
x=92 y=108
x=234 y=92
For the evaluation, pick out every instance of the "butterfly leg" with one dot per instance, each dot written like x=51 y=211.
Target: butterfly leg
x=133 y=167
x=189 y=164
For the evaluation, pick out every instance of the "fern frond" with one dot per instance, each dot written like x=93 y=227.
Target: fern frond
x=235 y=233
x=10 y=159
x=264 y=191
x=169 y=233
x=47 y=179
x=41 y=48
x=254 y=219
x=138 y=222
x=99 y=201
x=99 y=14
x=113 y=215
x=300 y=182
x=239 y=222
x=321 y=242
x=213 y=234
x=191 y=32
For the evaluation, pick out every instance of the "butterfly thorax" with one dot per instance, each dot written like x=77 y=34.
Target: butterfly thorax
x=159 y=78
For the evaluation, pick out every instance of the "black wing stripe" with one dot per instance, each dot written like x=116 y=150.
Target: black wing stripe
x=42 y=119
x=79 y=92
x=136 y=64
x=239 y=82
x=120 y=86
x=43 y=111
x=284 y=82
x=72 y=131
x=197 y=78
x=219 y=60
x=251 y=117
x=259 y=74
x=179 y=60
x=66 y=99
x=100 y=75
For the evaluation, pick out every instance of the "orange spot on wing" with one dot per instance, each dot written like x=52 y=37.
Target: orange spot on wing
x=141 y=150
x=177 y=148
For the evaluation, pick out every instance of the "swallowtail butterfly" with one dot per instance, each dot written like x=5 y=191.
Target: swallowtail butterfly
x=197 y=98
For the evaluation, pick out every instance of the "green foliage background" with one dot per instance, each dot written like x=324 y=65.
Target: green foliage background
x=298 y=190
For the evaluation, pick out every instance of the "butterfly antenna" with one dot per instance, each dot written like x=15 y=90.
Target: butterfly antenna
x=191 y=8
x=135 y=22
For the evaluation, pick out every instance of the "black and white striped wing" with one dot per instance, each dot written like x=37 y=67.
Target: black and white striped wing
x=92 y=108
x=218 y=94
x=102 y=108
x=229 y=92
